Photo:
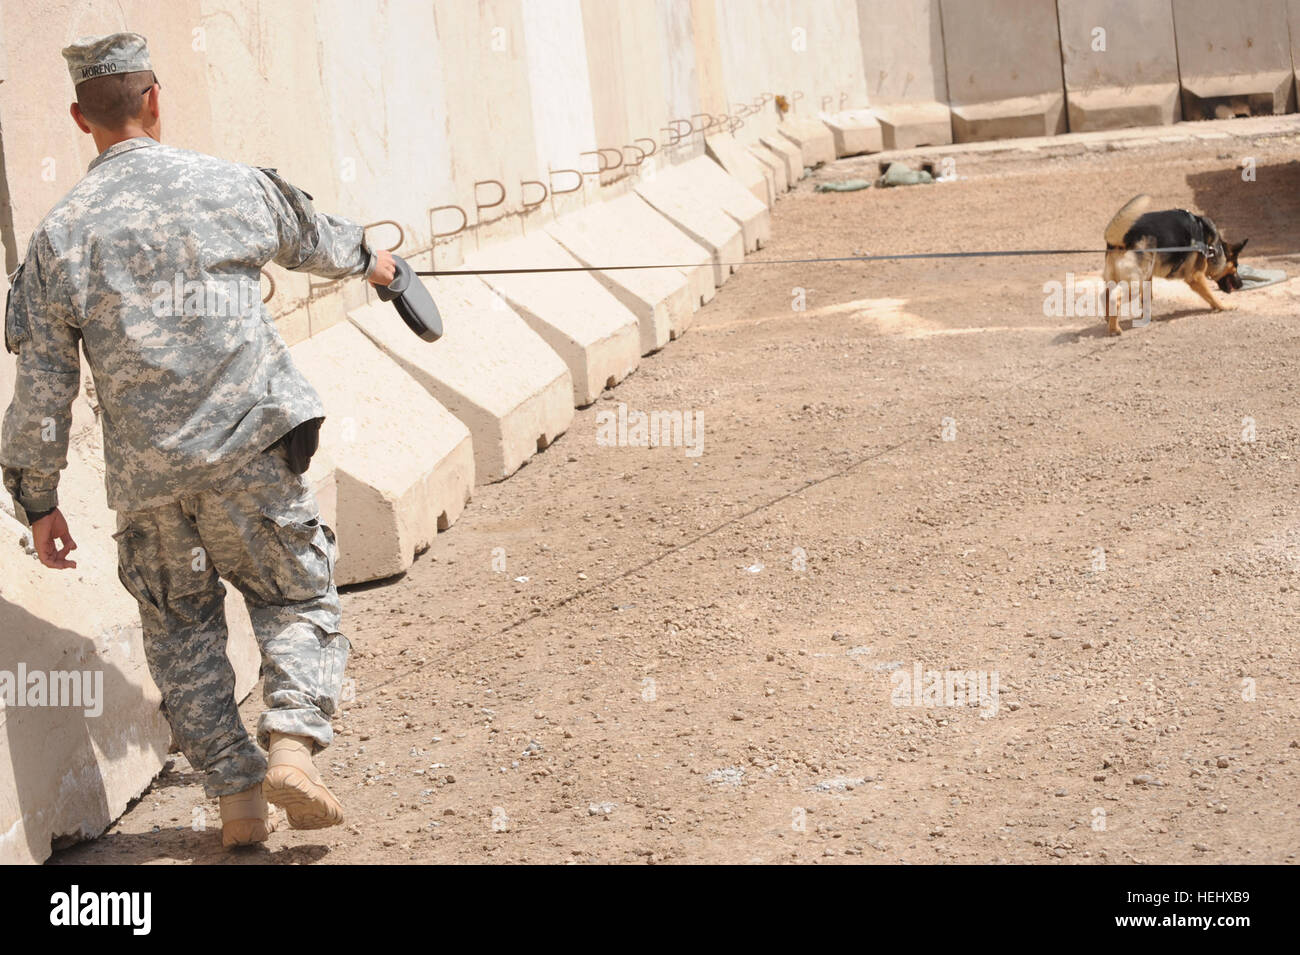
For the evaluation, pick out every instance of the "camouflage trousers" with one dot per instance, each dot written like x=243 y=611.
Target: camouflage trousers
x=263 y=534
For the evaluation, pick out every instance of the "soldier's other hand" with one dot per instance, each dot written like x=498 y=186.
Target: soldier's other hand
x=53 y=542
x=385 y=269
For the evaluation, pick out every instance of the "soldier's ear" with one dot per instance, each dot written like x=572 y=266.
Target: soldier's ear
x=78 y=118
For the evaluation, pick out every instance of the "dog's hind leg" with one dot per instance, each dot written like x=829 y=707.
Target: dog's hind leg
x=1112 y=311
x=1142 y=278
x=1120 y=295
x=1110 y=296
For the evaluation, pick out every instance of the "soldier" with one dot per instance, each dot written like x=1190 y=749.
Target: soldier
x=151 y=265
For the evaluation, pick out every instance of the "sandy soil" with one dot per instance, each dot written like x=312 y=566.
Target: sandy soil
x=695 y=659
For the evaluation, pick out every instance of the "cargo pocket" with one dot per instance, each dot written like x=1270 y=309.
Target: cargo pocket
x=131 y=557
x=16 y=331
x=301 y=565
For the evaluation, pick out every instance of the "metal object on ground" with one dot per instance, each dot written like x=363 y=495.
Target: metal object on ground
x=1258 y=278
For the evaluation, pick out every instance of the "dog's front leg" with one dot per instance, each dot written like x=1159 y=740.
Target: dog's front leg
x=1201 y=288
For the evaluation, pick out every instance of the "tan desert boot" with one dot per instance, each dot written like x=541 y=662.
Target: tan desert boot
x=293 y=783
x=244 y=818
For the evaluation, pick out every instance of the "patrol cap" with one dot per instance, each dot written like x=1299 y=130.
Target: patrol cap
x=92 y=56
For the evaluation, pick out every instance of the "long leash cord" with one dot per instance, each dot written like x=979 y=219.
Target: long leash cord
x=897 y=256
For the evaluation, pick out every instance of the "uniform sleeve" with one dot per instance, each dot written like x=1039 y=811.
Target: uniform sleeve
x=312 y=241
x=38 y=424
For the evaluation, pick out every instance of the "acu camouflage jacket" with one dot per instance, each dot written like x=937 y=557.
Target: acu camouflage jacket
x=152 y=264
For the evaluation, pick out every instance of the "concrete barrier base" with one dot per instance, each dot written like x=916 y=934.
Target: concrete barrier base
x=489 y=369
x=671 y=244
x=679 y=200
x=584 y=324
x=1245 y=94
x=773 y=167
x=401 y=465
x=908 y=125
x=1112 y=108
x=742 y=165
x=713 y=183
x=68 y=773
x=854 y=132
x=659 y=298
x=814 y=139
x=789 y=153
x=1041 y=115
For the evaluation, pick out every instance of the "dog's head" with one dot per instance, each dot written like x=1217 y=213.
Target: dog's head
x=1226 y=274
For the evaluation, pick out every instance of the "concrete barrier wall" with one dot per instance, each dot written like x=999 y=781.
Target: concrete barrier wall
x=489 y=109
x=709 y=77
x=1234 y=60
x=559 y=84
x=1120 y=63
x=390 y=159
x=4 y=62
x=654 y=81
x=608 y=94
x=905 y=75
x=754 y=38
x=1004 y=68
x=1293 y=25
x=829 y=69
x=902 y=51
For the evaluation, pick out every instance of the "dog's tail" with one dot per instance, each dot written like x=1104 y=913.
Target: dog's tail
x=1124 y=219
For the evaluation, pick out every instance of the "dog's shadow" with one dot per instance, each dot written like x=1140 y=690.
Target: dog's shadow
x=1099 y=330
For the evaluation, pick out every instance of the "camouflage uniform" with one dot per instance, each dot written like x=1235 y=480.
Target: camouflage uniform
x=152 y=264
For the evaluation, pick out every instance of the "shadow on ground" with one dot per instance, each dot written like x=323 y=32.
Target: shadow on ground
x=1265 y=210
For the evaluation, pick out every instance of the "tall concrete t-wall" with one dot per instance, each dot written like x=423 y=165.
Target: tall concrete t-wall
x=555 y=131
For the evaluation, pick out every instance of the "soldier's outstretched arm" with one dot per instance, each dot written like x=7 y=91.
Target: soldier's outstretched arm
x=40 y=329
x=311 y=241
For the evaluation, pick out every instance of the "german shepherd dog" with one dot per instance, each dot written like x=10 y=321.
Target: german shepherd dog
x=1134 y=231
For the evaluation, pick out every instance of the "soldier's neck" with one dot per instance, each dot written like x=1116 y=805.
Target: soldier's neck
x=106 y=138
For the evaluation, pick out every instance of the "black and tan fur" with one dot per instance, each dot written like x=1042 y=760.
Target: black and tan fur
x=1134 y=231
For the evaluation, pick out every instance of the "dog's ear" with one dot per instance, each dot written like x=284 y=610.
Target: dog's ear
x=1236 y=249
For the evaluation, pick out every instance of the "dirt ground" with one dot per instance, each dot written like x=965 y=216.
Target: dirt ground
x=697 y=658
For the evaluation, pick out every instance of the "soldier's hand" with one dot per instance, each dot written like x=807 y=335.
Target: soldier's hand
x=46 y=532
x=385 y=269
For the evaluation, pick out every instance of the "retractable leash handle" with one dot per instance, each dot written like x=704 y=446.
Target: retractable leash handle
x=412 y=301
